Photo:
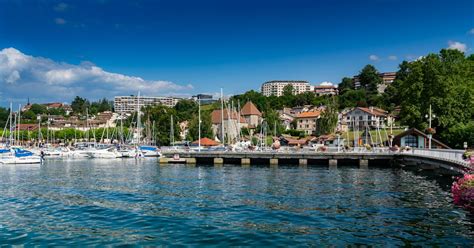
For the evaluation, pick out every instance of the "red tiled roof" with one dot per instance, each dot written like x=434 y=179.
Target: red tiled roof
x=311 y=114
x=296 y=141
x=206 y=142
x=216 y=116
x=374 y=111
x=250 y=109
x=27 y=127
x=54 y=105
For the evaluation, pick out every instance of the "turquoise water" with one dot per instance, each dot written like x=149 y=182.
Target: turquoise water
x=92 y=202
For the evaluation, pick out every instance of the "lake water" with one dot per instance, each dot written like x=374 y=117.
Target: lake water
x=90 y=202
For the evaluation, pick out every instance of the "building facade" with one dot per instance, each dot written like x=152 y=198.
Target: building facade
x=252 y=115
x=233 y=123
x=367 y=117
x=324 y=90
x=129 y=104
x=204 y=98
x=415 y=138
x=387 y=79
x=307 y=121
x=275 y=88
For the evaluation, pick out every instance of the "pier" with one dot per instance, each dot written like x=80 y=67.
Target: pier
x=445 y=162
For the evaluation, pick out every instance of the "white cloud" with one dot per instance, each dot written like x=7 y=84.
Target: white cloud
x=326 y=83
x=23 y=76
x=60 y=7
x=457 y=45
x=60 y=21
x=471 y=31
x=374 y=57
x=392 y=57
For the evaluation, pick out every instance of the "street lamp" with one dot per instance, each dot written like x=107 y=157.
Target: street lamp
x=430 y=116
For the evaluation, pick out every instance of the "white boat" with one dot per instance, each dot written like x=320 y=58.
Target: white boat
x=150 y=151
x=104 y=153
x=18 y=156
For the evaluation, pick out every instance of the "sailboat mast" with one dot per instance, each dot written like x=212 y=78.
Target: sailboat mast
x=11 y=123
x=19 y=122
x=171 y=131
x=138 y=119
x=222 y=116
x=199 y=124
x=39 y=130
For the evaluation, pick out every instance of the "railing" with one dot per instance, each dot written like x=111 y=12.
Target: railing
x=442 y=154
x=447 y=154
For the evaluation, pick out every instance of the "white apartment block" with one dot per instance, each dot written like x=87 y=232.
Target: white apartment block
x=276 y=87
x=129 y=104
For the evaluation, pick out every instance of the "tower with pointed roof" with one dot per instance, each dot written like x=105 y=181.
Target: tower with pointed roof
x=252 y=115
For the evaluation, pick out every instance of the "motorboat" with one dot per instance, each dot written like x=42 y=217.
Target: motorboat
x=149 y=151
x=104 y=153
x=18 y=156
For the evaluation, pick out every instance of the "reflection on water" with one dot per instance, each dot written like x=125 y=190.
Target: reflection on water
x=87 y=202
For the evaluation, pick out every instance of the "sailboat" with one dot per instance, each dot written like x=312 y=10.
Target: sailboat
x=16 y=155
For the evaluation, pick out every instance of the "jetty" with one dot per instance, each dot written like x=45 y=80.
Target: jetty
x=441 y=161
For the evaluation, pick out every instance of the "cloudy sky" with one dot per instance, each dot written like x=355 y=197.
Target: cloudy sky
x=54 y=50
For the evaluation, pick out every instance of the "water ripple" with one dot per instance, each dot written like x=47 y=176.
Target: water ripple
x=93 y=202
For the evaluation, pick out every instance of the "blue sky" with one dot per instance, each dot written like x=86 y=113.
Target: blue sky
x=58 y=49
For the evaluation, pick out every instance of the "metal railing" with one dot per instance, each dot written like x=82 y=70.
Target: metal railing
x=447 y=154
x=442 y=154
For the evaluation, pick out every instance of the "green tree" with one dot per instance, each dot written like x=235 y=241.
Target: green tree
x=38 y=109
x=206 y=126
x=79 y=105
x=353 y=98
x=4 y=113
x=288 y=90
x=369 y=79
x=186 y=109
x=345 y=85
x=446 y=82
x=160 y=115
x=30 y=115
x=272 y=118
x=327 y=123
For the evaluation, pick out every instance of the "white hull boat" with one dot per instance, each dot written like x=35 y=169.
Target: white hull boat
x=104 y=153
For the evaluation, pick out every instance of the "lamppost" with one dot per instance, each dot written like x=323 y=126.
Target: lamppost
x=430 y=116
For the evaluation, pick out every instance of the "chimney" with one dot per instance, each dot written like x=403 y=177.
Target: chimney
x=371 y=110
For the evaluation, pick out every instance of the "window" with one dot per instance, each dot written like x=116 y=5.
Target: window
x=411 y=141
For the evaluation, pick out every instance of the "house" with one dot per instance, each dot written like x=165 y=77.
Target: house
x=306 y=121
x=417 y=139
x=286 y=119
x=289 y=141
x=233 y=123
x=252 y=115
x=362 y=117
x=325 y=89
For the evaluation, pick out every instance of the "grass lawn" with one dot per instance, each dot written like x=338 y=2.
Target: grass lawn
x=373 y=133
